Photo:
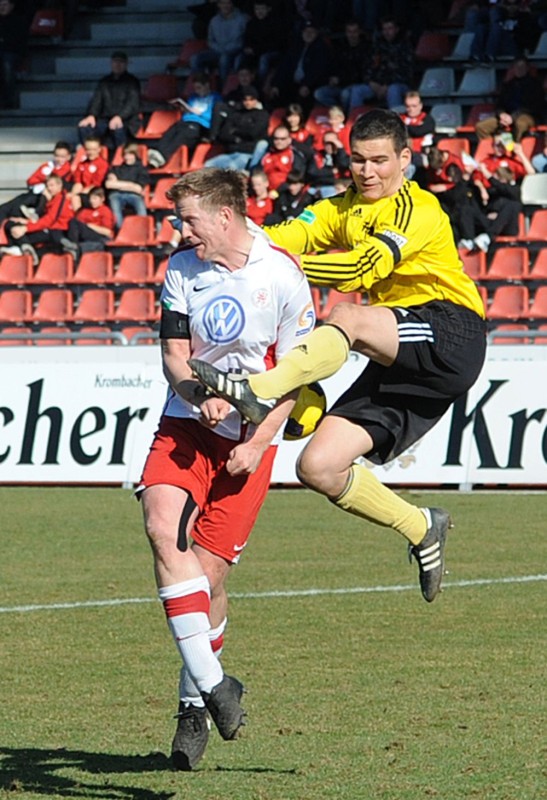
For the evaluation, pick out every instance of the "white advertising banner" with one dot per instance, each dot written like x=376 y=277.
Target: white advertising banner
x=86 y=415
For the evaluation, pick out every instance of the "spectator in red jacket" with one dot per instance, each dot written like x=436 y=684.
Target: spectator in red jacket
x=259 y=202
x=92 y=227
x=281 y=158
x=23 y=234
x=31 y=204
x=90 y=173
x=419 y=124
x=295 y=121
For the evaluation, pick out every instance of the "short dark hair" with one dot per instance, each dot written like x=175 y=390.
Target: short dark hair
x=97 y=191
x=380 y=124
x=214 y=187
x=62 y=146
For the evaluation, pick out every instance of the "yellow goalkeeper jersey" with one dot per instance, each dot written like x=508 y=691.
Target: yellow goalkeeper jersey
x=400 y=249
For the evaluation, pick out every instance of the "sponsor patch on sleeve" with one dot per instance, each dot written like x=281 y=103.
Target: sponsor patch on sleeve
x=307 y=216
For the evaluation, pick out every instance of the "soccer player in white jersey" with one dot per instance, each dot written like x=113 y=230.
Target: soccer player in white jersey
x=234 y=299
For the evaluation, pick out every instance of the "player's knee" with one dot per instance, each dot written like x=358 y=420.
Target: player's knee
x=346 y=316
x=312 y=470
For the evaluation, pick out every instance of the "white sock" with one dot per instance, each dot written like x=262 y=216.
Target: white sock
x=188 y=691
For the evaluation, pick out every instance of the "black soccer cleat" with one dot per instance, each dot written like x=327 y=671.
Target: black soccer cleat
x=191 y=736
x=223 y=705
x=234 y=388
x=429 y=553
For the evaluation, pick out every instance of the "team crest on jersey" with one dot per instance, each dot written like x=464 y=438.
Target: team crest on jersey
x=261 y=298
x=399 y=240
x=306 y=321
x=224 y=319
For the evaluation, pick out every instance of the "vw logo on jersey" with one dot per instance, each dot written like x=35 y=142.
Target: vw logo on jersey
x=224 y=319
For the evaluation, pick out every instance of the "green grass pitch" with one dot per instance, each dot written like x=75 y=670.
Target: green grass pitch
x=357 y=691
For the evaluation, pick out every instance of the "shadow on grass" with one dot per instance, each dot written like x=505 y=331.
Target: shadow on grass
x=36 y=771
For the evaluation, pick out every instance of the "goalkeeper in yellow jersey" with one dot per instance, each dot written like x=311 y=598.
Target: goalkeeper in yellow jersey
x=423 y=331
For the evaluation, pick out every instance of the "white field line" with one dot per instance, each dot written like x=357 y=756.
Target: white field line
x=281 y=593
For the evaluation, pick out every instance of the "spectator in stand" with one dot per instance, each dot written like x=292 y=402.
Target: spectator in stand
x=329 y=163
x=13 y=47
x=391 y=74
x=243 y=133
x=335 y=122
x=419 y=124
x=259 y=202
x=501 y=28
x=539 y=161
x=467 y=218
x=126 y=184
x=282 y=157
x=113 y=112
x=224 y=40
x=31 y=204
x=352 y=57
x=264 y=40
x=193 y=125
x=246 y=77
x=520 y=104
x=91 y=228
x=89 y=174
x=23 y=234
x=295 y=121
x=304 y=67
x=293 y=197
x=505 y=153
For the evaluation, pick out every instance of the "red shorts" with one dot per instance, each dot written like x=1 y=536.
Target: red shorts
x=186 y=454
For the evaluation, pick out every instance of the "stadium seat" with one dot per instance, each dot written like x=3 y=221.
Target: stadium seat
x=54 y=305
x=47 y=22
x=447 y=116
x=142 y=155
x=12 y=330
x=277 y=115
x=508 y=264
x=477 y=112
x=136 y=231
x=189 y=48
x=437 y=82
x=530 y=146
x=483 y=149
x=43 y=340
x=477 y=82
x=509 y=302
x=453 y=145
x=533 y=191
x=159 y=275
x=90 y=340
x=432 y=46
x=158 y=201
x=176 y=164
x=94 y=268
x=462 y=49
x=519 y=236
x=160 y=120
x=15 y=305
x=134 y=330
x=355 y=112
x=55 y=269
x=202 y=152
x=333 y=297
x=474 y=263
x=483 y=291
x=538 y=226
x=16 y=269
x=317 y=117
x=501 y=335
x=538 y=307
x=540 y=51
x=136 y=266
x=539 y=268
x=160 y=88
x=165 y=233
x=96 y=305
x=136 y=305
x=230 y=84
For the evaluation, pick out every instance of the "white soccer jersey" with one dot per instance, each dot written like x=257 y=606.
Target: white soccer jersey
x=242 y=321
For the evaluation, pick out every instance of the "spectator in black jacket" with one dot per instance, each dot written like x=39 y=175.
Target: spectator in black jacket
x=126 y=184
x=113 y=112
x=352 y=59
x=328 y=164
x=13 y=44
x=243 y=133
x=264 y=39
x=305 y=67
x=293 y=197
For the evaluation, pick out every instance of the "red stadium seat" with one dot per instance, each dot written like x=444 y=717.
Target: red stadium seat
x=189 y=48
x=538 y=226
x=160 y=120
x=96 y=305
x=158 y=201
x=202 y=152
x=160 y=88
x=509 y=302
x=456 y=146
x=539 y=269
x=508 y=264
x=15 y=305
x=90 y=340
x=176 y=164
x=134 y=330
x=136 y=266
x=15 y=342
x=47 y=22
x=16 y=269
x=334 y=297
x=142 y=155
x=538 y=307
x=138 y=305
x=136 y=231
x=432 y=46
x=519 y=236
x=501 y=335
x=94 y=268
x=477 y=112
x=43 y=340
x=474 y=263
x=55 y=269
x=54 y=305
x=166 y=232
x=483 y=291
x=160 y=272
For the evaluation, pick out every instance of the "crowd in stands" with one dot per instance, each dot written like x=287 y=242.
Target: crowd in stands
x=273 y=92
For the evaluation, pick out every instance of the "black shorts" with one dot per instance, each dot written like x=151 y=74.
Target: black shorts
x=442 y=347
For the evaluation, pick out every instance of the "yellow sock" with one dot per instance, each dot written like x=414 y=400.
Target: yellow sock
x=319 y=355
x=365 y=496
